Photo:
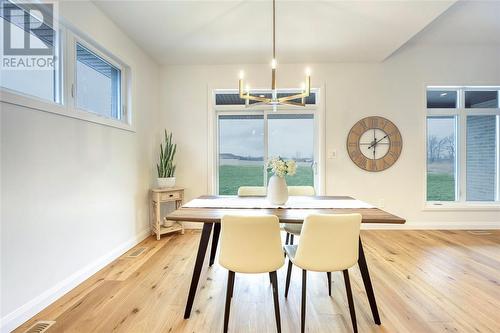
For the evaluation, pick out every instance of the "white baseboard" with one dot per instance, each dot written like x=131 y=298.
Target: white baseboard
x=435 y=226
x=407 y=226
x=20 y=315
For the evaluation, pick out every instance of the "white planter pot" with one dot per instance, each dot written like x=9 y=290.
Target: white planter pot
x=166 y=182
x=167 y=223
x=277 y=191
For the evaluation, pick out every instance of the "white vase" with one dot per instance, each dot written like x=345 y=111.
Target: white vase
x=166 y=182
x=277 y=191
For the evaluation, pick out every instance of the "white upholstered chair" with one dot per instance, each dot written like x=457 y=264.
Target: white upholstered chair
x=291 y=228
x=251 y=244
x=252 y=191
x=301 y=190
x=329 y=243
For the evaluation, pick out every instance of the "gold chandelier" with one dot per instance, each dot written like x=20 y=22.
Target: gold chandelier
x=275 y=100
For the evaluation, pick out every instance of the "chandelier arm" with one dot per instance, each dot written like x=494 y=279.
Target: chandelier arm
x=256 y=98
x=292 y=97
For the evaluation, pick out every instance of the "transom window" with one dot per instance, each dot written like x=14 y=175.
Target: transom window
x=463 y=135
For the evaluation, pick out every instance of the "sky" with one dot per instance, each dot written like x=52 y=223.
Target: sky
x=440 y=127
x=287 y=137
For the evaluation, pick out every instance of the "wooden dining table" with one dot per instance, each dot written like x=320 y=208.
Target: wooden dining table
x=210 y=215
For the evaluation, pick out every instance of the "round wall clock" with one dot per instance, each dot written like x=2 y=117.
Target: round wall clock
x=374 y=143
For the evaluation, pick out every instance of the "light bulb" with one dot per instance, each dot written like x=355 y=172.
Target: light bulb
x=242 y=75
x=308 y=71
x=273 y=64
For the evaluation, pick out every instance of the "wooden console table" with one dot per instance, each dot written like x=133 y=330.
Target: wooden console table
x=159 y=196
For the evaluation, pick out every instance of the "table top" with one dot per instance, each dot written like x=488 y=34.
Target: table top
x=285 y=215
x=167 y=189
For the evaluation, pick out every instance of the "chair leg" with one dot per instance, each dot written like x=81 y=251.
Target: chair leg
x=303 y=310
x=287 y=239
x=350 y=300
x=288 y=274
x=232 y=286
x=291 y=239
x=329 y=278
x=274 y=281
x=229 y=295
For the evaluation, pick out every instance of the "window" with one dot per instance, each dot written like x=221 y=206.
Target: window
x=39 y=80
x=481 y=99
x=95 y=82
x=441 y=158
x=441 y=99
x=291 y=136
x=241 y=152
x=481 y=157
x=463 y=162
x=247 y=137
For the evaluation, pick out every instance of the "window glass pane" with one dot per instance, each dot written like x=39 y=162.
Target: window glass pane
x=482 y=159
x=228 y=99
x=241 y=152
x=97 y=84
x=441 y=155
x=481 y=99
x=291 y=136
x=20 y=73
x=442 y=99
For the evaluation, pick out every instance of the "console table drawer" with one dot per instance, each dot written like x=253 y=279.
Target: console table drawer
x=170 y=196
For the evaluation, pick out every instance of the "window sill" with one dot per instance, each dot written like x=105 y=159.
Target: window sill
x=448 y=206
x=9 y=97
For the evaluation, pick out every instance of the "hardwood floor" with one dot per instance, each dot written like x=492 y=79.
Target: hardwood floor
x=425 y=281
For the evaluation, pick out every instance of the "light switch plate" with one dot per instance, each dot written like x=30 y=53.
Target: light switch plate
x=332 y=153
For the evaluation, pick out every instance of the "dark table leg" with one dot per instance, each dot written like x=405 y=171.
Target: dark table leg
x=198 y=265
x=215 y=241
x=363 y=267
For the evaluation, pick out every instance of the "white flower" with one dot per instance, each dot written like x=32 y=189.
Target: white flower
x=292 y=167
x=281 y=168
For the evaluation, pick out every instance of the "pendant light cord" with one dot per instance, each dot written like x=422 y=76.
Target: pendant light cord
x=274 y=29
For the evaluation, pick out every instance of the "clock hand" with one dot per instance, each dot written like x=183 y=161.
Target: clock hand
x=375 y=143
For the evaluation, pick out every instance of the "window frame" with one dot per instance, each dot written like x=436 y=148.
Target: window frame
x=460 y=113
x=72 y=40
x=214 y=110
x=65 y=103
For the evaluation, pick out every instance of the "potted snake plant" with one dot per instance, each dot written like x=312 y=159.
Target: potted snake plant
x=166 y=166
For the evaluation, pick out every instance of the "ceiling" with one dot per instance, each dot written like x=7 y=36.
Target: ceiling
x=236 y=32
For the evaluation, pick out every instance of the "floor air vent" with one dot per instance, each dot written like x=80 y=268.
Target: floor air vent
x=137 y=252
x=40 y=326
x=479 y=232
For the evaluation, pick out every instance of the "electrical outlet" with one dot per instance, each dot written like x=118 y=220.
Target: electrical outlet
x=332 y=153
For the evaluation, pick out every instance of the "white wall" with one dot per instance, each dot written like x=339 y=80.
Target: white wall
x=74 y=193
x=394 y=89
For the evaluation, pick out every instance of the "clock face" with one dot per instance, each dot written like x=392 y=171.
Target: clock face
x=374 y=143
